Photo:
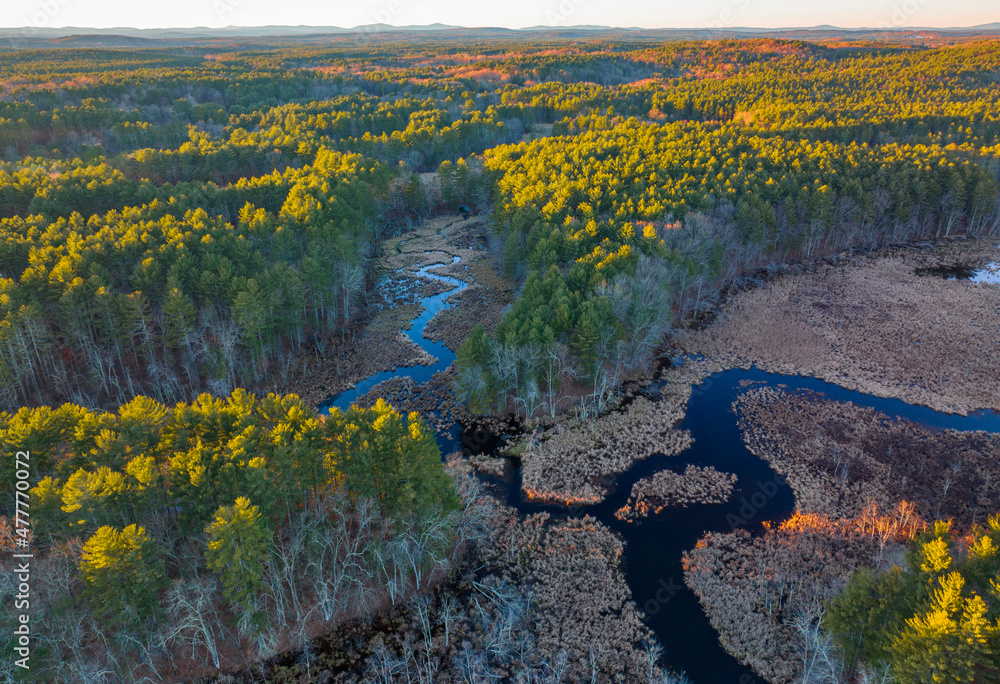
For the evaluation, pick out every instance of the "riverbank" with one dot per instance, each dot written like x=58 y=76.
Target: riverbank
x=895 y=323
x=838 y=457
x=575 y=462
x=513 y=611
x=882 y=323
x=378 y=343
x=764 y=594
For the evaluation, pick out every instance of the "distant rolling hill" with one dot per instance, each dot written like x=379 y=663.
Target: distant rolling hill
x=110 y=40
x=74 y=36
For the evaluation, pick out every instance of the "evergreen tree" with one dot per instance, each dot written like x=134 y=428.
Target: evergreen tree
x=123 y=575
x=238 y=543
x=392 y=460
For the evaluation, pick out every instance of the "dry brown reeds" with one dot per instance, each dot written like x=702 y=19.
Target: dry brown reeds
x=375 y=352
x=581 y=605
x=764 y=595
x=666 y=488
x=872 y=324
x=572 y=463
x=838 y=456
x=542 y=600
x=469 y=308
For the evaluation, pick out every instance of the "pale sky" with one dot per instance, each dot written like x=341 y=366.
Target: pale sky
x=509 y=13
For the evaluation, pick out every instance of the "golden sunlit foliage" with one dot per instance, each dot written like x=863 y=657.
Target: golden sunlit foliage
x=159 y=496
x=936 y=620
x=787 y=151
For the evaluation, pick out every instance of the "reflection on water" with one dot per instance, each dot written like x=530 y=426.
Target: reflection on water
x=990 y=273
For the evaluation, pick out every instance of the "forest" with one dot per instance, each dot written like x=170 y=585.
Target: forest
x=937 y=614
x=630 y=219
x=180 y=229
x=327 y=516
x=672 y=168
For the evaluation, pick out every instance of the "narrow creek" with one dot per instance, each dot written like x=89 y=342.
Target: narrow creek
x=654 y=546
x=419 y=374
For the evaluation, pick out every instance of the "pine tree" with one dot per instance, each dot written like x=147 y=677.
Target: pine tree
x=123 y=575
x=396 y=462
x=238 y=542
x=179 y=317
x=951 y=642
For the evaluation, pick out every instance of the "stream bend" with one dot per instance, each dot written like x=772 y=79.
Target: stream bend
x=654 y=546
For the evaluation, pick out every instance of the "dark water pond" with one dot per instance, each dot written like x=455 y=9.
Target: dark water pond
x=654 y=545
x=990 y=273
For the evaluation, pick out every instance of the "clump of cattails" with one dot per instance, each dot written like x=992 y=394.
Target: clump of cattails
x=666 y=488
x=570 y=463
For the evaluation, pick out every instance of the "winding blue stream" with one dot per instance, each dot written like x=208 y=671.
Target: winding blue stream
x=654 y=546
x=420 y=374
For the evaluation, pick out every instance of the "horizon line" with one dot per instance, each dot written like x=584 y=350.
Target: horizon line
x=444 y=27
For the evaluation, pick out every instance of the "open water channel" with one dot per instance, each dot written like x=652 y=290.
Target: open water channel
x=654 y=546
